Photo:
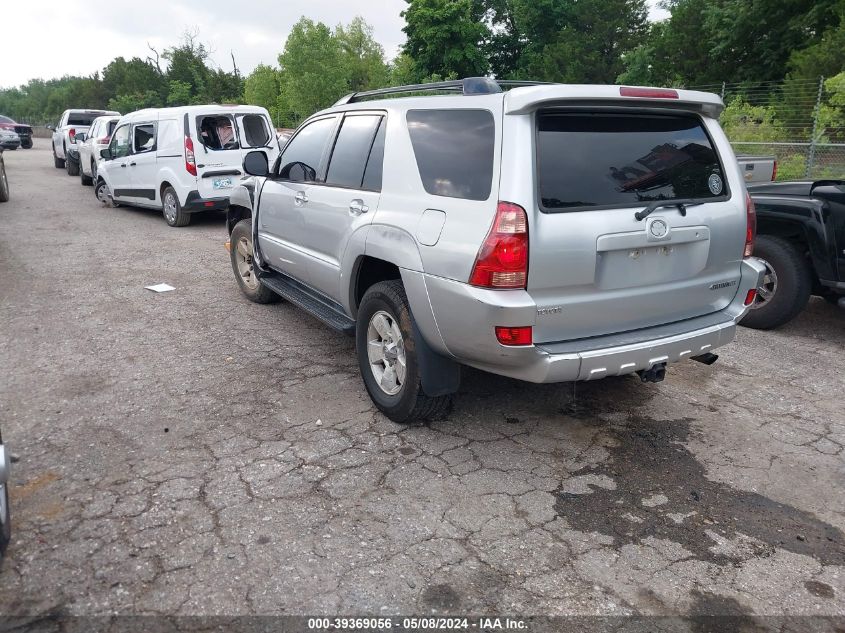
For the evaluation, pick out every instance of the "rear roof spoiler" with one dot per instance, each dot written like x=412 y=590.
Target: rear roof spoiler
x=528 y=99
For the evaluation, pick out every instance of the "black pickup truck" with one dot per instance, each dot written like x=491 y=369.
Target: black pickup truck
x=801 y=239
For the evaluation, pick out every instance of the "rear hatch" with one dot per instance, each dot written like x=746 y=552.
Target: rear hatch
x=596 y=269
x=225 y=138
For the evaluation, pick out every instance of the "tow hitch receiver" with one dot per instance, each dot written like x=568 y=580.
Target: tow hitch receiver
x=656 y=373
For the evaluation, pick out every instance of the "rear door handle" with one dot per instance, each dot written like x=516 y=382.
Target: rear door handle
x=357 y=207
x=132 y=164
x=123 y=164
x=300 y=198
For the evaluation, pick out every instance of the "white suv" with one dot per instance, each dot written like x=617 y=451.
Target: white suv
x=182 y=160
x=91 y=143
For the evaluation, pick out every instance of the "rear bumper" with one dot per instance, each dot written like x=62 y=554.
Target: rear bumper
x=10 y=144
x=469 y=337
x=195 y=203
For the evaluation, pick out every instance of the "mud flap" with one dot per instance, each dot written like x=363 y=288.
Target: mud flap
x=439 y=375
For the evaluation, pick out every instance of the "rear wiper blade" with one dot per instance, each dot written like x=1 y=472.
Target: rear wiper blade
x=657 y=204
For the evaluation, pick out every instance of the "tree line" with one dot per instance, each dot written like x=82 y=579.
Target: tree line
x=745 y=43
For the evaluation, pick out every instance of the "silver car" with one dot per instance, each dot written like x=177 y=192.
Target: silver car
x=547 y=232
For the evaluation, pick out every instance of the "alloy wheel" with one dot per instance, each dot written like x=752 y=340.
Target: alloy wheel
x=386 y=352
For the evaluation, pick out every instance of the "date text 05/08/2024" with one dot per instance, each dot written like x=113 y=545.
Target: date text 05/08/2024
x=416 y=624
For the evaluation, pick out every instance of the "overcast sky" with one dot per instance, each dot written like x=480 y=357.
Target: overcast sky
x=51 y=38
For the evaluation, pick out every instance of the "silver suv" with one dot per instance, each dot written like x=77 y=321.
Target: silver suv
x=547 y=232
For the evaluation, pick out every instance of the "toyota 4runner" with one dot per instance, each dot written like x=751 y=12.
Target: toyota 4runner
x=548 y=233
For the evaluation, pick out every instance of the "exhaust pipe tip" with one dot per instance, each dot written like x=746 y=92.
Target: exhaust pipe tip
x=656 y=373
x=706 y=358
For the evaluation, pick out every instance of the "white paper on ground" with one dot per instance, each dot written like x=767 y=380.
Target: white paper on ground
x=159 y=288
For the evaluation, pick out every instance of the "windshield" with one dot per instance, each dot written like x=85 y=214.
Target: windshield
x=613 y=160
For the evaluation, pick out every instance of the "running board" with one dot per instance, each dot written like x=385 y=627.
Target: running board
x=315 y=304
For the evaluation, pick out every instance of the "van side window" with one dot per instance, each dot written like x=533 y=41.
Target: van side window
x=454 y=151
x=349 y=158
x=303 y=154
x=145 y=138
x=255 y=130
x=217 y=132
x=375 y=163
x=119 y=145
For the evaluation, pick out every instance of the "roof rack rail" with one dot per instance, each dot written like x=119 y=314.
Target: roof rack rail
x=466 y=86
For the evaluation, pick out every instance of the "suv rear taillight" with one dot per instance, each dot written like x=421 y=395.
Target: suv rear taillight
x=190 y=161
x=502 y=261
x=775 y=171
x=103 y=141
x=71 y=134
x=750 y=225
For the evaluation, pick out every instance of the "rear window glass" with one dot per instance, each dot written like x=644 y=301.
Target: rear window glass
x=454 y=151
x=619 y=160
x=80 y=118
x=255 y=130
x=217 y=132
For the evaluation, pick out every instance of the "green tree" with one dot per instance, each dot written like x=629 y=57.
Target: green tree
x=362 y=57
x=312 y=73
x=263 y=88
x=446 y=37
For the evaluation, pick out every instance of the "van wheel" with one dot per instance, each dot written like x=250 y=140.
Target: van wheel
x=71 y=165
x=786 y=284
x=104 y=195
x=172 y=210
x=58 y=163
x=86 y=181
x=240 y=252
x=387 y=356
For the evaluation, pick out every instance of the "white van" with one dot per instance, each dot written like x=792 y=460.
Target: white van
x=182 y=160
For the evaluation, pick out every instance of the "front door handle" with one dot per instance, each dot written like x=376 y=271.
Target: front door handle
x=132 y=164
x=300 y=198
x=357 y=207
x=123 y=164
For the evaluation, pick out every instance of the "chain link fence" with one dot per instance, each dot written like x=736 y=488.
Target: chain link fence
x=793 y=120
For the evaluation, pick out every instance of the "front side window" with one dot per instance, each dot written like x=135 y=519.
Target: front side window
x=349 y=158
x=119 y=146
x=217 y=132
x=454 y=151
x=144 y=138
x=303 y=153
x=613 y=160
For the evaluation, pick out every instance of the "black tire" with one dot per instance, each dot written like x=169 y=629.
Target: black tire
x=5 y=519
x=4 y=184
x=241 y=258
x=72 y=167
x=58 y=163
x=104 y=198
x=27 y=145
x=794 y=282
x=178 y=217
x=410 y=403
x=86 y=181
x=94 y=170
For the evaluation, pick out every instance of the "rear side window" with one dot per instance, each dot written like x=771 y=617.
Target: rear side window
x=375 y=164
x=351 y=150
x=255 y=130
x=614 y=160
x=454 y=151
x=144 y=138
x=303 y=154
x=217 y=132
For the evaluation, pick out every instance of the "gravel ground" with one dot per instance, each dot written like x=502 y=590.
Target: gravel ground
x=193 y=453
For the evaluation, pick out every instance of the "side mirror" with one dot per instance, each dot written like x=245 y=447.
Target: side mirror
x=255 y=164
x=80 y=137
x=51 y=127
x=105 y=153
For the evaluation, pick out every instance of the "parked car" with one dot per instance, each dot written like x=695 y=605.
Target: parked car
x=487 y=229
x=182 y=160
x=9 y=139
x=5 y=520
x=21 y=129
x=4 y=181
x=71 y=123
x=801 y=242
x=758 y=168
x=91 y=143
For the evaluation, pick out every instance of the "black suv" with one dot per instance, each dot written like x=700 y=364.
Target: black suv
x=801 y=240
